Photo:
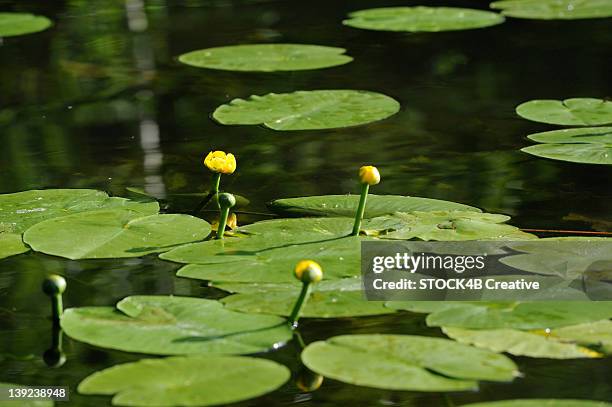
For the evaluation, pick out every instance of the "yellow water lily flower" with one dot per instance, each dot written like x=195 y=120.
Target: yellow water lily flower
x=369 y=174
x=219 y=161
x=308 y=271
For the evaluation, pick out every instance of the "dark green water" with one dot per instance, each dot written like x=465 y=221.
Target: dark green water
x=99 y=101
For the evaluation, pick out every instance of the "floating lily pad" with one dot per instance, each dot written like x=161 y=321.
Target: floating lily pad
x=568 y=112
x=186 y=381
x=21 y=210
x=267 y=57
x=404 y=362
x=114 y=233
x=328 y=299
x=454 y=226
x=173 y=326
x=340 y=258
x=521 y=343
x=417 y=19
x=11 y=244
x=591 y=145
x=597 y=334
x=521 y=315
x=567 y=258
x=540 y=403
x=346 y=205
x=554 y=9
x=308 y=110
x=13 y=24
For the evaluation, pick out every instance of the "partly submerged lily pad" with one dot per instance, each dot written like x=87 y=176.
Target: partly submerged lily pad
x=346 y=205
x=568 y=112
x=21 y=210
x=328 y=299
x=596 y=334
x=591 y=145
x=416 y=19
x=114 y=233
x=554 y=9
x=521 y=343
x=163 y=325
x=540 y=403
x=455 y=226
x=11 y=244
x=308 y=110
x=13 y=24
x=404 y=362
x=186 y=381
x=267 y=57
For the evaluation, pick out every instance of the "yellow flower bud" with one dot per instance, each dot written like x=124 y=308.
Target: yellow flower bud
x=219 y=161
x=369 y=174
x=308 y=271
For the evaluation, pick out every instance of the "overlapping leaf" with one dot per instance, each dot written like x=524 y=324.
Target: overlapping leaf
x=568 y=112
x=11 y=244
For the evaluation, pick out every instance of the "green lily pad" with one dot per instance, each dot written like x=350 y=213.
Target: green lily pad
x=520 y=343
x=455 y=226
x=521 y=315
x=568 y=112
x=346 y=205
x=11 y=244
x=340 y=258
x=597 y=334
x=13 y=24
x=554 y=9
x=540 y=403
x=568 y=258
x=173 y=326
x=114 y=233
x=308 y=110
x=419 y=19
x=267 y=57
x=582 y=135
x=328 y=299
x=405 y=362
x=23 y=402
x=21 y=210
x=186 y=381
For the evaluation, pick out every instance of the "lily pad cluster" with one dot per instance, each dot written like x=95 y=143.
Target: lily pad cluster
x=85 y=224
x=587 y=145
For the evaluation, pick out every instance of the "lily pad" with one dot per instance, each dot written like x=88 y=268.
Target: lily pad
x=455 y=226
x=418 y=19
x=568 y=112
x=21 y=210
x=173 y=326
x=11 y=244
x=591 y=145
x=346 y=205
x=520 y=343
x=186 y=381
x=597 y=334
x=13 y=24
x=114 y=233
x=567 y=258
x=540 y=403
x=328 y=299
x=404 y=362
x=340 y=258
x=521 y=315
x=267 y=57
x=308 y=110
x=554 y=9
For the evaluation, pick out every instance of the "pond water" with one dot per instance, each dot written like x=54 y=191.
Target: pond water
x=100 y=101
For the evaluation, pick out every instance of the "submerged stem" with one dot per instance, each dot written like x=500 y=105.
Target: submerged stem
x=360 y=209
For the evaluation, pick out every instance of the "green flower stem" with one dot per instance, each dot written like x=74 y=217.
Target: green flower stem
x=360 y=209
x=297 y=308
x=57 y=308
x=215 y=182
x=222 y=222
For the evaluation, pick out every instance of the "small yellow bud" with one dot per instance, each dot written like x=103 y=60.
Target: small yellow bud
x=308 y=271
x=219 y=161
x=369 y=174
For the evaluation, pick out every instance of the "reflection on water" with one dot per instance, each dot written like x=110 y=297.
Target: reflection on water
x=99 y=101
